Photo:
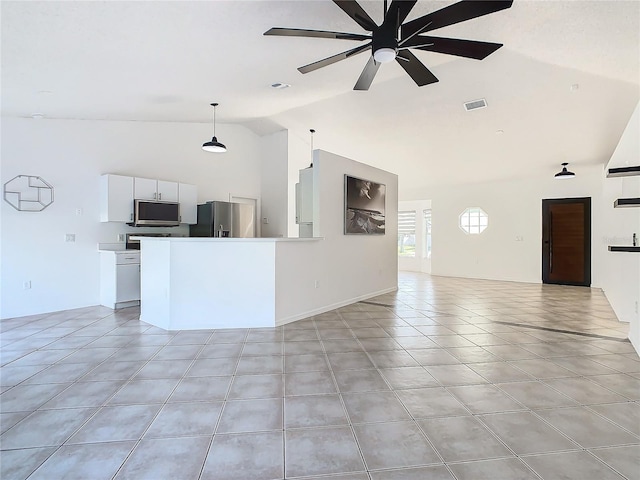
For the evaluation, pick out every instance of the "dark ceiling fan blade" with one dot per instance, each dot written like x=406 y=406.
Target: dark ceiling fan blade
x=367 y=75
x=398 y=11
x=356 y=12
x=335 y=58
x=458 y=12
x=453 y=46
x=414 y=67
x=299 y=32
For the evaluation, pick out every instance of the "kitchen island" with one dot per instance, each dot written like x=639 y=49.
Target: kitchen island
x=204 y=283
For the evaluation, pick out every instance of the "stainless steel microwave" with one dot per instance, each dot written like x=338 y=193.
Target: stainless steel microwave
x=155 y=214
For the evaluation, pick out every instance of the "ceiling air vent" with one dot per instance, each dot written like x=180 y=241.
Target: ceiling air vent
x=475 y=104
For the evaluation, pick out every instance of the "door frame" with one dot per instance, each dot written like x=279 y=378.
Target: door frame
x=586 y=201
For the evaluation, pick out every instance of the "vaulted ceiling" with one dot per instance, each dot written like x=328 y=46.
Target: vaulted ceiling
x=561 y=89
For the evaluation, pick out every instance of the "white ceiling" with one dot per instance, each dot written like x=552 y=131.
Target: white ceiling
x=166 y=61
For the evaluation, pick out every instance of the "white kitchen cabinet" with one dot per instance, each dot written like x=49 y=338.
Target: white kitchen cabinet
x=116 y=198
x=117 y=193
x=119 y=278
x=304 y=197
x=167 y=191
x=159 y=190
x=188 y=198
x=145 y=189
x=127 y=283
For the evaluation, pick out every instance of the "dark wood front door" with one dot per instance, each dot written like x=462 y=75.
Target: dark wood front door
x=566 y=241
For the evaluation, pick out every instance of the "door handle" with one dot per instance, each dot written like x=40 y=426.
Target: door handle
x=550 y=241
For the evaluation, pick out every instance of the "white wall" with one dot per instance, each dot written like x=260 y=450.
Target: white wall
x=274 y=184
x=515 y=210
x=71 y=155
x=621 y=274
x=372 y=259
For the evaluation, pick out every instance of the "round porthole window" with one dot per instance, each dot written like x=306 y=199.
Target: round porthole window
x=473 y=220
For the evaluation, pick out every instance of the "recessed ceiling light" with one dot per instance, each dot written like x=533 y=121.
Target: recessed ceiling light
x=574 y=87
x=37 y=116
x=280 y=85
x=499 y=132
x=45 y=92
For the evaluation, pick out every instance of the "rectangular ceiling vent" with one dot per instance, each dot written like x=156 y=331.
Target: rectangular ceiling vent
x=475 y=104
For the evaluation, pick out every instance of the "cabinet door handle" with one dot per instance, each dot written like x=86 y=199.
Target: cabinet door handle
x=130 y=258
x=131 y=217
x=160 y=196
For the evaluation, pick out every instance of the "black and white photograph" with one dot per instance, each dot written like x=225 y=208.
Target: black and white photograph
x=364 y=206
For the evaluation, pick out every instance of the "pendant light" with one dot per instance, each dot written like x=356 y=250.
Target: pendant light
x=312 y=131
x=564 y=174
x=214 y=145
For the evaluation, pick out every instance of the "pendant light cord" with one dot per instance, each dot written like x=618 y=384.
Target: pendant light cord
x=214 y=118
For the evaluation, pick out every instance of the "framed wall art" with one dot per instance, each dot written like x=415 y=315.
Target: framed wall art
x=364 y=207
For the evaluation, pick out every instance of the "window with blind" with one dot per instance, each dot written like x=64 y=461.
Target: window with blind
x=407 y=233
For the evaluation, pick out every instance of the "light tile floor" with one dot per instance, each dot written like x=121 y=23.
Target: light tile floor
x=445 y=379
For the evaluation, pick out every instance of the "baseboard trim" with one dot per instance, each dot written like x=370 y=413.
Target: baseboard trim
x=333 y=306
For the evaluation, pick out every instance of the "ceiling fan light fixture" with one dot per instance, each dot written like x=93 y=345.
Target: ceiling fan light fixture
x=564 y=174
x=384 y=55
x=214 y=145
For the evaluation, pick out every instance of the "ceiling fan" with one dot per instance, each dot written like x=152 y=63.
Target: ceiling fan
x=392 y=39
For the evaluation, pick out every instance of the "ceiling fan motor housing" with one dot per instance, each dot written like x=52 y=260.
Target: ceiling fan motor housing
x=385 y=37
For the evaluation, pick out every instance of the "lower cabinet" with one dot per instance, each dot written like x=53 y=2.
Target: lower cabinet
x=119 y=278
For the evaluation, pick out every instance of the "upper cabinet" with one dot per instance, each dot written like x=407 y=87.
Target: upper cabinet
x=159 y=190
x=188 y=198
x=116 y=198
x=117 y=193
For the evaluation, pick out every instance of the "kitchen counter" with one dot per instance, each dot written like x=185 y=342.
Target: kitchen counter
x=204 y=283
x=231 y=240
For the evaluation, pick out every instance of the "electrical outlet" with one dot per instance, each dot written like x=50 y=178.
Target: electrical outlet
x=121 y=237
x=78 y=211
x=317 y=284
x=70 y=237
x=26 y=285
x=265 y=220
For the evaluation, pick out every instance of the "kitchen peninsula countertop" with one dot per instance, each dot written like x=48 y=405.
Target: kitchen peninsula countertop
x=228 y=239
x=190 y=283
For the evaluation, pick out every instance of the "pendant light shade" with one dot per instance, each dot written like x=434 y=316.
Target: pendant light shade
x=214 y=145
x=564 y=174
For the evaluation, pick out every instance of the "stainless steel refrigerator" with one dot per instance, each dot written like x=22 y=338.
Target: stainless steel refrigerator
x=224 y=219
